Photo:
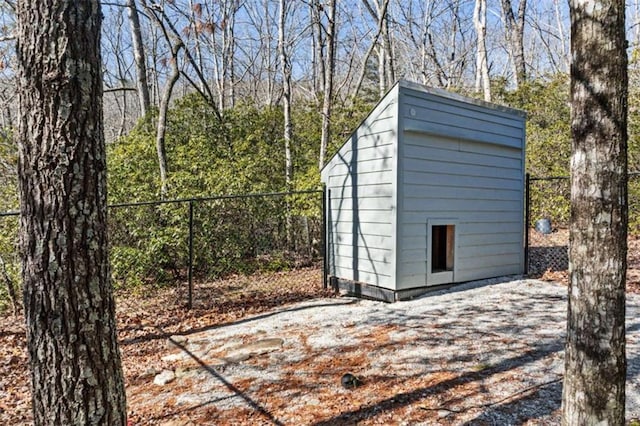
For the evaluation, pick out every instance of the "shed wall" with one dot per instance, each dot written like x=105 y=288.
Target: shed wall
x=361 y=216
x=465 y=163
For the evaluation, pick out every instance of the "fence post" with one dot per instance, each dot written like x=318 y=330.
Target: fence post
x=527 y=218
x=325 y=269
x=190 y=289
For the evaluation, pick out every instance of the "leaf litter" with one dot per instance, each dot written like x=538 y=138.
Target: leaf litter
x=488 y=352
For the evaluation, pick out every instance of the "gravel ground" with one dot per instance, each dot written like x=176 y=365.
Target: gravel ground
x=489 y=352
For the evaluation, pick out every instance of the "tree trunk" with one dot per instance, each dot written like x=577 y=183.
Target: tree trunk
x=139 y=58
x=229 y=49
x=367 y=55
x=514 y=30
x=318 y=46
x=566 y=59
x=224 y=64
x=76 y=375
x=453 y=77
x=285 y=64
x=195 y=16
x=162 y=120
x=382 y=75
x=390 y=66
x=268 y=52
x=154 y=73
x=174 y=39
x=482 y=67
x=286 y=95
x=383 y=48
x=329 y=69
x=595 y=365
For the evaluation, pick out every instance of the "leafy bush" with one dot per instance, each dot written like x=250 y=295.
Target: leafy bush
x=8 y=224
x=242 y=153
x=548 y=126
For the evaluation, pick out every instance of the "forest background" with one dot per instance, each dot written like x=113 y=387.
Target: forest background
x=246 y=96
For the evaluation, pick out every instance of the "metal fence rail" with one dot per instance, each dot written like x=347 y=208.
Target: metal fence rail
x=271 y=237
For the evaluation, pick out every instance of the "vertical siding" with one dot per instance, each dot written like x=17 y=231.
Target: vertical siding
x=463 y=162
x=361 y=216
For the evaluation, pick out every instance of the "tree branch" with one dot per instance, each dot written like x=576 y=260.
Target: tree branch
x=119 y=89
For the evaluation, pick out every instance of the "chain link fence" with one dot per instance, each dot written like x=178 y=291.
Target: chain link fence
x=548 y=219
x=213 y=250
x=548 y=215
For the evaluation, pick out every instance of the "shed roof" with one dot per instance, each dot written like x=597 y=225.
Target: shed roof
x=406 y=84
x=460 y=98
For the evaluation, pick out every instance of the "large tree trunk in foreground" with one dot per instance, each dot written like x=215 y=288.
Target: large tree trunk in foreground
x=595 y=365
x=71 y=331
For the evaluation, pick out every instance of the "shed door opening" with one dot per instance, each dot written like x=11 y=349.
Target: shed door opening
x=442 y=248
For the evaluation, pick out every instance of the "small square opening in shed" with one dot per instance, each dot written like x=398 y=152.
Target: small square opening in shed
x=442 y=248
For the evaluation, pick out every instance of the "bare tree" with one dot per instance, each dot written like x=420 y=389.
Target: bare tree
x=595 y=365
x=436 y=48
x=261 y=52
x=116 y=76
x=329 y=69
x=139 y=58
x=76 y=373
x=374 y=42
x=230 y=8
x=8 y=81
x=194 y=29
x=565 y=59
x=161 y=130
x=166 y=24
x=386 y=67
x=173 y=39
x=547 y=43
x=318 y=46
x=212 y=25
x=285 y=65
x=482 y=66
x=514 y=30
x=387 y=45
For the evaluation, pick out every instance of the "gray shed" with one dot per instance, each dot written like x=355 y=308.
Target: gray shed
x=427 y=191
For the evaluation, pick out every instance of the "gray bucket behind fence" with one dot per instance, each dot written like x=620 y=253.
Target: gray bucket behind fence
x=543 y=226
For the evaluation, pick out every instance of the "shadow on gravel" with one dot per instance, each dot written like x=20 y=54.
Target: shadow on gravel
x=408 y=398
x=253 y=404
x=532 y=406
x=163 y=335
x=490 y=357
